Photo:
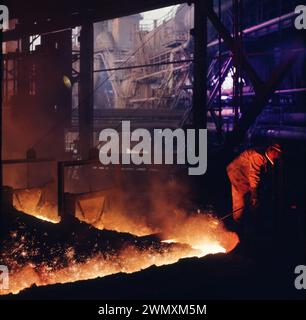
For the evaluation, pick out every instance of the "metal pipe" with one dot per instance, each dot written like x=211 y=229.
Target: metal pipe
x=282 y=132
x=25 y=161
x=295 y=90
x=284 y=91
x=259 y=26
x=286 y=118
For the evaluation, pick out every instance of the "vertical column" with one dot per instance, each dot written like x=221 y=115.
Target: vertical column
x=61 y=190
x=220 y=120
x=237 y=32
x=23 y=82
x=200 y=64
x=200 y=79
x=86 y=90
x=1 y=122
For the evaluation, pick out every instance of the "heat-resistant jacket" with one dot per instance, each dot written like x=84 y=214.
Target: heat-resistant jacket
x=246 y=170
x=245 y=174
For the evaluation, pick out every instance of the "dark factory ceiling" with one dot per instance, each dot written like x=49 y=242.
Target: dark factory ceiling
x=37 y=10
x=47 y=16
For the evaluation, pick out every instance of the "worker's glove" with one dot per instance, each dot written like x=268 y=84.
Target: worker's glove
x=253 y=199
x=254 y=202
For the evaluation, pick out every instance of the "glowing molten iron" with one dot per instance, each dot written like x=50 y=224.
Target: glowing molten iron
x=181 y=236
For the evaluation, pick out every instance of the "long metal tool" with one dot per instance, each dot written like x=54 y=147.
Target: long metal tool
x=231 y=213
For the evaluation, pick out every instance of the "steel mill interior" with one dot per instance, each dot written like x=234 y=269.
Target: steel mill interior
x=75 y=227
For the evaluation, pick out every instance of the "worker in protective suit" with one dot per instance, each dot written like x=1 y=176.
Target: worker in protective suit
x=245 y=174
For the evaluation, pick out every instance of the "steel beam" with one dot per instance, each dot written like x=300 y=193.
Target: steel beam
x=200 y=63
x=260 y=101
x=1 y=122
x=236 y=49
x=86 y=90
x=51 y=17
x=23 y=74
x=263 y=91
x=61 y=190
